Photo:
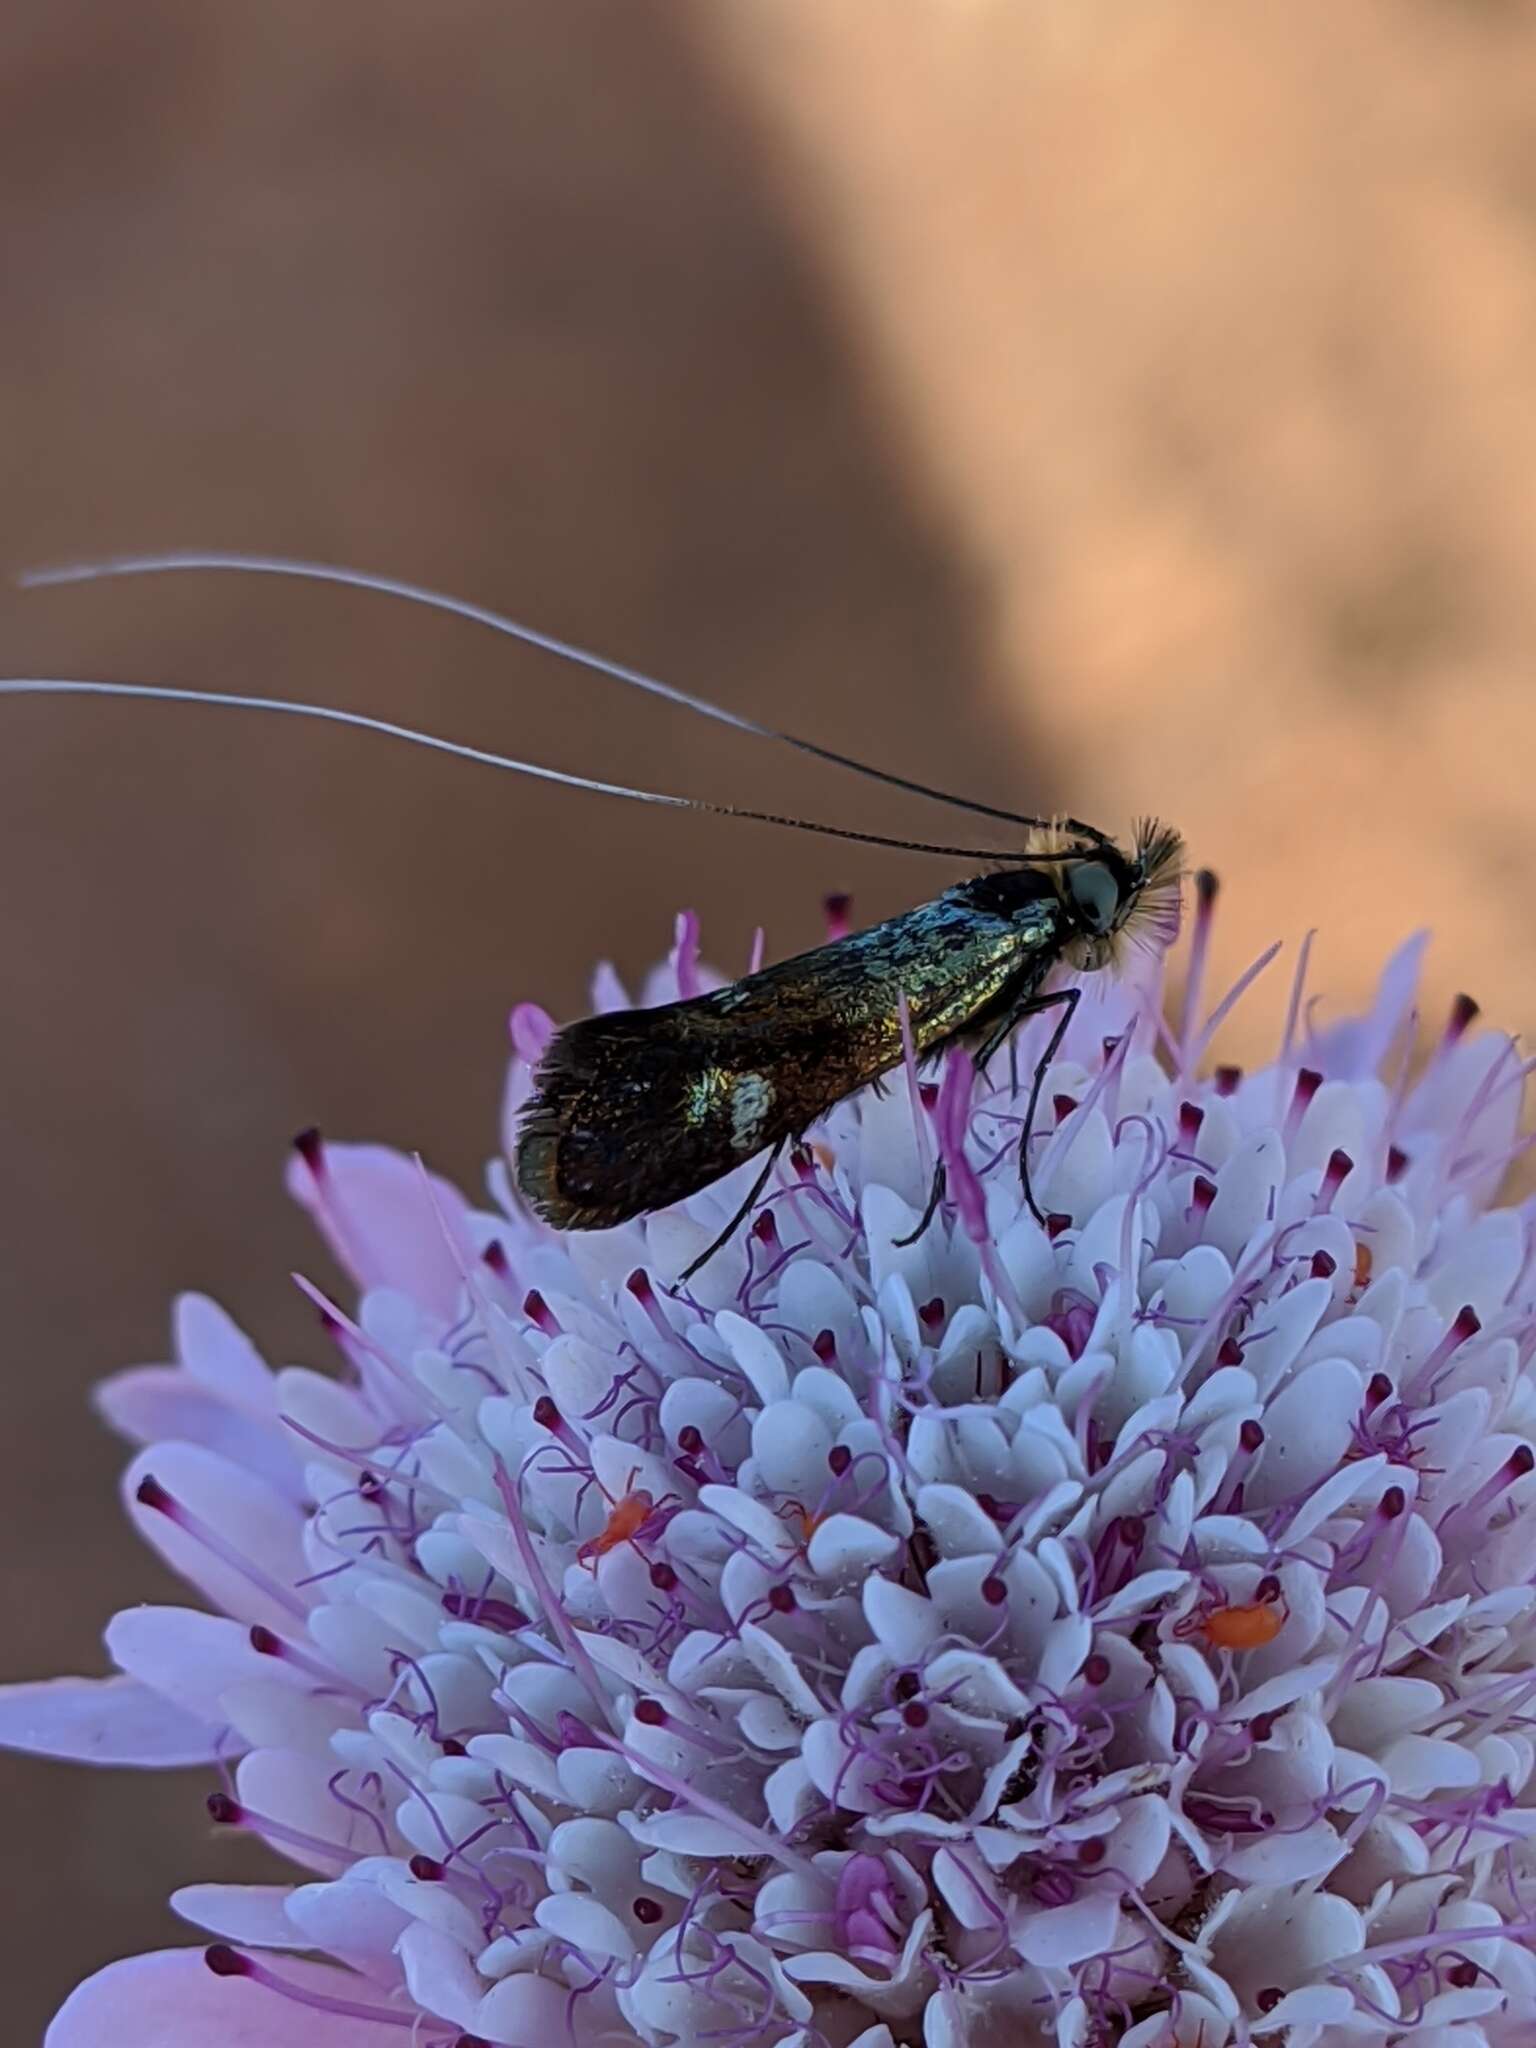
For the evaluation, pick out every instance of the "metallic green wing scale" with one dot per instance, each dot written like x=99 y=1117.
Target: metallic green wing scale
x=643 y=1107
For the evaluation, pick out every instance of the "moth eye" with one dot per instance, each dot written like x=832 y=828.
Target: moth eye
x=1095 y=895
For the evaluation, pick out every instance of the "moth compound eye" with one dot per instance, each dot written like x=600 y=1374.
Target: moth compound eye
x=1095 y=896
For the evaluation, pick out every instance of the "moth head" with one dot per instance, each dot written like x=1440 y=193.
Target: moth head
x=1113 y=900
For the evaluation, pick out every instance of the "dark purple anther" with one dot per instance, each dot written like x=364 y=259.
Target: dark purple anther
x=1202 y=1195
x=536 y=1309
x=1464 y=1012
x=225 y=1961
x=781 y=1599
x=1251 y=1436
x=1393 y=1501
x=663 y=1578
x=486 y=1613
x=573 y=1733
x=149 y=1493
x=265 y=1643
x=824 y=1344
x=931 y=1314
x=839 y=1460
x=1228 y=1080
x=1308 y=1081
x=226 y=1811
x=1096 y=1668
x=646 y=1911
x=651 y=1712
x=1191 y=1117
x=994 y=1590
x=1055 y=1223
x=427 y=1868
x=495 y=1257
x=546 y=1414
x=1335 y=1173
x=310 y=1147
x=1324 y=1265
x=1053 y=1888
x=1063 y=1106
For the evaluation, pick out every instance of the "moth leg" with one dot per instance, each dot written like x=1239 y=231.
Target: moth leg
x=1066 y=999
x=739 y=1218
x=1004 y=1029
x=935 y=1196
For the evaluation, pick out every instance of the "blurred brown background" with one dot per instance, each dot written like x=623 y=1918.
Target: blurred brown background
x=1126 y=407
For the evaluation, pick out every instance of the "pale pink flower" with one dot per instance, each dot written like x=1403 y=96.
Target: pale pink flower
x=1114 y=1633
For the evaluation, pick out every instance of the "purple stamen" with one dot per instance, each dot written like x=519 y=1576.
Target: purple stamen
x=1466 y=1325
x=537 y=1310
x=225 y=1961
x=1335 y=1173
x=1308 y=1081
x=149 y=1493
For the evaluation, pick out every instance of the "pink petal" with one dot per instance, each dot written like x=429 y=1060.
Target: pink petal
x=105 y=1721
x=374 y=1209
x=173 y=2000
x=608 y=992
x=159 y=1403
x=311 y=1794
x=191 y=1657
x=254 y=1915
x=531 y=1029
x=215 y=1350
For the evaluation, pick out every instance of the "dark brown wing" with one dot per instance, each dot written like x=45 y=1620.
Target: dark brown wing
x=643 y=1107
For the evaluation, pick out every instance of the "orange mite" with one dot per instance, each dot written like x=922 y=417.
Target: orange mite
x=1242 y=1628
x=803 y=1519
x=1363 y=1263
x=625 y=1520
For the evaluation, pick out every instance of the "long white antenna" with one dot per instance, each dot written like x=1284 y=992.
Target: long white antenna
x=481 y=615
x=330 y=714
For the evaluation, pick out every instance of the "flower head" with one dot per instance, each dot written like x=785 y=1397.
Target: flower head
x=1112 y=1632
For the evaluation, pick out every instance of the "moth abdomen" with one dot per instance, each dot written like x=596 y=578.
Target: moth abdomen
x=638 y=1109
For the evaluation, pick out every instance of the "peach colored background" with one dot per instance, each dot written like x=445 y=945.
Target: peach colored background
x=1126 y=407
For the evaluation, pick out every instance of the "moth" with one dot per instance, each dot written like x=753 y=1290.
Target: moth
x=638 y=1109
